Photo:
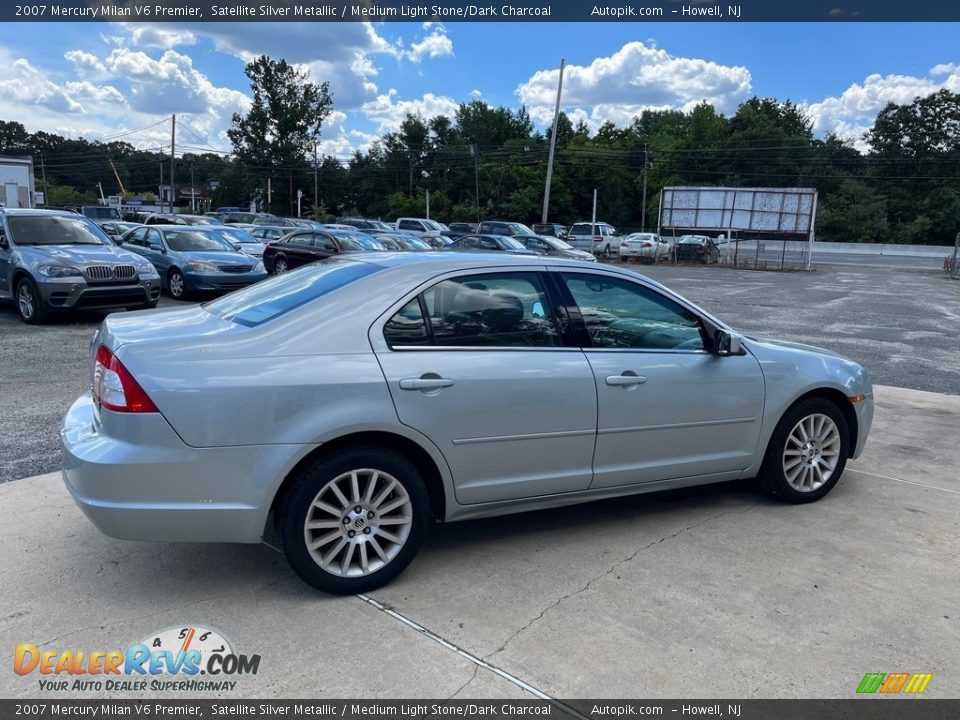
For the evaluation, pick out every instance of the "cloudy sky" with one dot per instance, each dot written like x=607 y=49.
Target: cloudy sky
x=104 y=80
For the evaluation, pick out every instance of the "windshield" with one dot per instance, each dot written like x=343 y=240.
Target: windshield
x=357 y=241
x=416 y=243
x=520 y=229
x=237 y=235
x=55 y=230
x=266 y=300
x=193 y=241
x=433 y=225
x=513 y=244
x=102 y=213
x=556 y=243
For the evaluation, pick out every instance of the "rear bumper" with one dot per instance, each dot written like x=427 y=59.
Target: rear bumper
x=154 y=487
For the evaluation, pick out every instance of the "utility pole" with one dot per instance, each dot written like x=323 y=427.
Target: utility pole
x=316 y=195
x=173 y=161
x=160 y=189
x=593 y=215
x=475 y=151
x=643 y=208
x=553 y=145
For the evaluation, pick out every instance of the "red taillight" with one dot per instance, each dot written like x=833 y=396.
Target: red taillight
x=114 y=386
x=646 y=244
x=623 y=244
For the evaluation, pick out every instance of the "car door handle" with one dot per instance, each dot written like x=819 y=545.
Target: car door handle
x=625 y=379
x=425 y=383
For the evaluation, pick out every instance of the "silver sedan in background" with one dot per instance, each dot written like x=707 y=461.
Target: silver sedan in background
x=353 y=401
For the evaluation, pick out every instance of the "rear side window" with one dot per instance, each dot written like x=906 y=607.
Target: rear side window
x=483 y=311
x=271 y=298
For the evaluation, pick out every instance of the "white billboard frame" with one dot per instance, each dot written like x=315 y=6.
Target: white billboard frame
x=764 y=211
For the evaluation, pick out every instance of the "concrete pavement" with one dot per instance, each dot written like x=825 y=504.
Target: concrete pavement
x=713 y=591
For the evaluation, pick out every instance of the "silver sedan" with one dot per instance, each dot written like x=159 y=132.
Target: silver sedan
x=352 y=402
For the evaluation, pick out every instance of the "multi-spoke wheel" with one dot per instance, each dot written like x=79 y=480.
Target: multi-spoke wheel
x=29 y=303
x=354 y=520
x=807 y=451
x=177 y=284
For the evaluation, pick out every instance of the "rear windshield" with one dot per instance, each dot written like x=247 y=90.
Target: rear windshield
x=271 y=298
x=55 y=230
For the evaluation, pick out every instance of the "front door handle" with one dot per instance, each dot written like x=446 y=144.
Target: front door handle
x=425 y=383
x=627 y=379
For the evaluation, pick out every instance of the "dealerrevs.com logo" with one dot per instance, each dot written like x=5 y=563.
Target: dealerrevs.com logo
x=170 y=660
x=895 y=683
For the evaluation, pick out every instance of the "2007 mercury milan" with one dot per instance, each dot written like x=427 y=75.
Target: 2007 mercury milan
x=355 y=399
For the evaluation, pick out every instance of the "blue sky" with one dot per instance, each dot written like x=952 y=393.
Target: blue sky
x=99 y=80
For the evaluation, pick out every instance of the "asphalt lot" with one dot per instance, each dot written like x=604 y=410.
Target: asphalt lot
x=901 y=325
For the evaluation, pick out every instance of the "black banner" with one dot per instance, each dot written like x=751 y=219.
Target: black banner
x=478 y=11
x=856 y=709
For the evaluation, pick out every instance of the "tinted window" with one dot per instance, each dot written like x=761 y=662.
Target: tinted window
x=191 y=241
x=622 y=314
x=55 y=230
x=269 y=299
x=409 y=225
x=502 y=310
x=136 y=237
x=407 y=327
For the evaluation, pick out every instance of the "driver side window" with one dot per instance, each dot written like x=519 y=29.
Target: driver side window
x=620 y=314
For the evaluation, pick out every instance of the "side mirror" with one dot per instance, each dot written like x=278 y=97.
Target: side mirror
x=236 y=246
x=156 y=246
x=728 y=343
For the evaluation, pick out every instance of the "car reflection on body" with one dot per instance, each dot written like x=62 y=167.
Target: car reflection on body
x=352 y=402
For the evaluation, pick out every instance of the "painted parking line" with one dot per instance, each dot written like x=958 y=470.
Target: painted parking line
x=480 y=662
x=901 y=480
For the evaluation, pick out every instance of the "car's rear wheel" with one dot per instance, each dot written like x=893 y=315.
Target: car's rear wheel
x=177 y=284
x=353 y=520
x=280 y=265
x=807 y=452
x=29 y=303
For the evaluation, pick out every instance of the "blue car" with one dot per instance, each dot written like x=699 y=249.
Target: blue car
x=194 y=258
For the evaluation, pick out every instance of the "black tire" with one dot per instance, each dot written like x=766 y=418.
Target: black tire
x=280 y=265
x=29 y=303
x=176 y=284
x=773 y=476
x=297 y=501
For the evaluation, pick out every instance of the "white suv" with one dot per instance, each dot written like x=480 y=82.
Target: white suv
x=423 y=227
x=599 y=238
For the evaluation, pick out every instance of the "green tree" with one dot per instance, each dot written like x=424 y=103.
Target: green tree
x=282 y=127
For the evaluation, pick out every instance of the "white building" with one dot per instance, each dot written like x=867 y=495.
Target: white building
x=16 y=181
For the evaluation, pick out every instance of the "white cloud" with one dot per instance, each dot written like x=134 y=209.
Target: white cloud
x=388 y=110
x=25 y=85
x=853 y=112
x=636 y=77
x=476 y=94
x=436 y=44
x=84 y=62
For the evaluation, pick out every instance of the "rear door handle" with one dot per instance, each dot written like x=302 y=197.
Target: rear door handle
x=425 y=383
x=625 y=379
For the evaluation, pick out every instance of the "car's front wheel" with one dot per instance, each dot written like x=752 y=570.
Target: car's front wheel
x=353 y=520
x=29 y=303
x=807 y=452
x=177 y=285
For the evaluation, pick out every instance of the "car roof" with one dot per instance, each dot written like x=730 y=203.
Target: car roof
x=41 y=212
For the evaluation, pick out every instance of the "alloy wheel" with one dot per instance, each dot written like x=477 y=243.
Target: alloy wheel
x=358 y=522
x=25 y=301
x=811 y=453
